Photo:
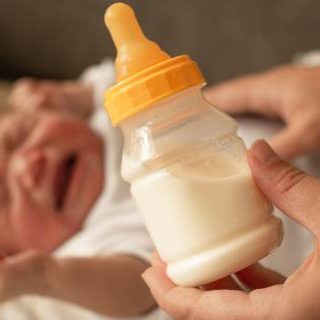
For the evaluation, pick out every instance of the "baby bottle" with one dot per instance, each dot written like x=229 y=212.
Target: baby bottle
x=186 y=165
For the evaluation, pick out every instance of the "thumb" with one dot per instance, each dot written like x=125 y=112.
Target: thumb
x=293 y=191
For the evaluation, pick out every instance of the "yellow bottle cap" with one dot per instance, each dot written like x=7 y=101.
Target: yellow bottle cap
x=145 y=74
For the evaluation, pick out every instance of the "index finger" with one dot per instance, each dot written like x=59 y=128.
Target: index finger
x=289 y=142
x=242 y=95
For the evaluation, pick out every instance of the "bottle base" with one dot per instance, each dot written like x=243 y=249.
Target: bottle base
x=221 y=261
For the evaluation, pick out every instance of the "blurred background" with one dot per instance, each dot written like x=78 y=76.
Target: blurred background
x=58 y=39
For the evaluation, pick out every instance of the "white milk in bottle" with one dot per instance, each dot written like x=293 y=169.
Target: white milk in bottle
x=185 y=163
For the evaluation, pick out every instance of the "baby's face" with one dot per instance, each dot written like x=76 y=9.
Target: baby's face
x=51 y=172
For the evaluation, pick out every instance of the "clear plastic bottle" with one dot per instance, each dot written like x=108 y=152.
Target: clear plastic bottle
x=187 y=167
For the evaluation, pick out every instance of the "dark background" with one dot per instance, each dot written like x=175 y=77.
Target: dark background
x=59 y=38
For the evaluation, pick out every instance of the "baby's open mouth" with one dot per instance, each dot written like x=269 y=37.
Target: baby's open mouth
x=63 y=179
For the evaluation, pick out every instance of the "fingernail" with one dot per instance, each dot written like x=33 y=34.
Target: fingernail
x=262 y=152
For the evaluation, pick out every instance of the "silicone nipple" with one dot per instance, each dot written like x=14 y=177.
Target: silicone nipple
x=134 y=51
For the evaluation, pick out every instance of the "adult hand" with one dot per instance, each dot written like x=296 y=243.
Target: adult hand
x=290 y=93
x=30 y=95
x=295 y=193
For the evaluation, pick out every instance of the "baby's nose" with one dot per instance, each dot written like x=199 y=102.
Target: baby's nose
x=30 y=167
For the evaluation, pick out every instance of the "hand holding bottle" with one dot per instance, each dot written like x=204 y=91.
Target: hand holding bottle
x=295 y=193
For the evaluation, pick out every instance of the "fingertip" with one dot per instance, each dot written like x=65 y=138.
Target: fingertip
x=157 y=280
x=219 y=95
x=262 y=152
x=211 y=91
